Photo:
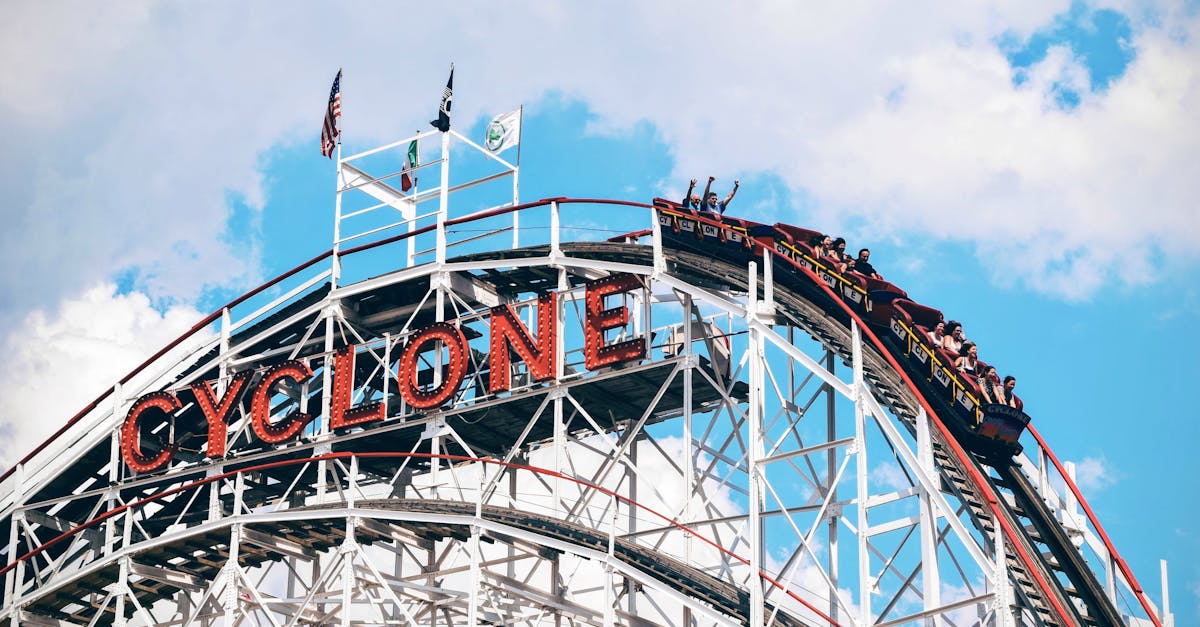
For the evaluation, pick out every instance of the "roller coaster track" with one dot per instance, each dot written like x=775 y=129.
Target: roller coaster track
x=1047 y=568
x=1026 y=522
x=1048 y=572
x=321 y=527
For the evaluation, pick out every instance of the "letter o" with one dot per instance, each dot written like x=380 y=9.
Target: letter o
x=456 y=344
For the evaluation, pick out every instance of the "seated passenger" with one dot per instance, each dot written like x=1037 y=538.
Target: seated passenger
x=989 y=385
x=691 y=200
x=710 y=203
x=968 y=356
x=820 y=245
x=863 y=266
x=938 y=335
x=839 y=253
x=953 y=339
x=1007 y=397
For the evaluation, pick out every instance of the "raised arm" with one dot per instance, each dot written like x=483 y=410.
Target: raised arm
x=732 y=192
x=707 y=187
x=687 y=198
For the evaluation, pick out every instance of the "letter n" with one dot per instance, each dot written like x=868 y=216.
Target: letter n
x=507 y=333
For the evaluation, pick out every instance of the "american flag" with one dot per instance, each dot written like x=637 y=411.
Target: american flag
x=330 y=131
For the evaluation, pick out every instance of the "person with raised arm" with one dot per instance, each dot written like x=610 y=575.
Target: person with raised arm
x=690 y=199
x=710 y=197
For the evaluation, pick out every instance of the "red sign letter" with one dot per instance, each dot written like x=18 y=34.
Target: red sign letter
x=343 y=391
x=131 y=446
x=456 y=370
x=260 y=407
x=217 y=413
x=507 y=331
x=599 y=319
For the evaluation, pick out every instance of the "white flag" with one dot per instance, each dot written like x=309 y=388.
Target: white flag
x=503 y=132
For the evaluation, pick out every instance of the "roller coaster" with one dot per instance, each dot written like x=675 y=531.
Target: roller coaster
x=487 y=416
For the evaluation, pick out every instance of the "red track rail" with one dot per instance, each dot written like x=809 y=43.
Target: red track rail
x=1108 y=545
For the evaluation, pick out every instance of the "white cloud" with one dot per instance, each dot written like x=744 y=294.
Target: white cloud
x=135 y=123
x=890 y=475
x=57 y=362
x=1095 y=473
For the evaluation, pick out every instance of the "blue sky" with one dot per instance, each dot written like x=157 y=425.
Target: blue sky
x=1031 y=170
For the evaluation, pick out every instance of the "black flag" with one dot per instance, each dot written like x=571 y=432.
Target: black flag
x=442 y=123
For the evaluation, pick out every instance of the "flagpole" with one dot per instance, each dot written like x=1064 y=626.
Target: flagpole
x=443 y=199
x=517 y=178
x=412 y=221
x=336 y=270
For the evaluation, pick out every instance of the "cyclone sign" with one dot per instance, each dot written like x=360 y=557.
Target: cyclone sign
x=509 y=339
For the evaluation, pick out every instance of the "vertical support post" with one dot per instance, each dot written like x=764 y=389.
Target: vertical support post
x=1165 y=616
x=556 y=589
x=631 y=525
x=443 y=200
x=352 y=483
x=114 y=472
x=930 y=577
x=349 y=548
x=439 y=281
x=860 y=444
x=660 y=262
x=226 y=332
x=336 y=269
x=387 y=371
x=13 y=577
x=768 y=282
x=555 y=232
x=610 y=601
x=326 y=402
x=689 y=463
x=754 y=455
x=831 y=466
x=476 y=578
x=560 y=359
x=214 y=492
x=230 y=572
x=1004 y=615
x=123 y=590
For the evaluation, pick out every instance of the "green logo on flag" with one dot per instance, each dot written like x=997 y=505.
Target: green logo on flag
x=495 y=136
